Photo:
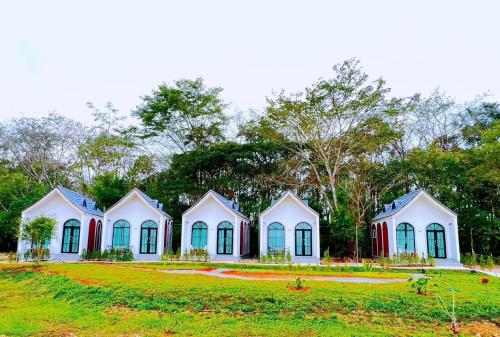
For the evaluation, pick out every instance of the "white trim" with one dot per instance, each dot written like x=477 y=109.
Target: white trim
x=434 y=201
x=297 y=200
x=211 y=193
x=128 y=196
x=55 y=190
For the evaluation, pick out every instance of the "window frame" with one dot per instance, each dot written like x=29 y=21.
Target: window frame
x=149 y=244
x=71 y=228
x=405 y=231
x=204 y=228
x=303 y=230
x=269 y=229
x=123 y=236
x=225 y=230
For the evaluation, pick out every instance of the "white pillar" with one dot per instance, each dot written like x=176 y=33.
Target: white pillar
x=236 y=237
x=318 y=253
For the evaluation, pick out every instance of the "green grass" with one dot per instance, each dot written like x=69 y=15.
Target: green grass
x=127 y=299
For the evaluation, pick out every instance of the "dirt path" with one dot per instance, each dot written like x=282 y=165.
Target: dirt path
x=232 y=274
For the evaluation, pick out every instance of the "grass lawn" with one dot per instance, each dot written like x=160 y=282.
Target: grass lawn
x=90 y=299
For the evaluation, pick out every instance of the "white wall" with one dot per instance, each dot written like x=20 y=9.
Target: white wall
x=420 y=213
x=55 y=206
x=289 y=213
x=211 y=212
x=134 y=210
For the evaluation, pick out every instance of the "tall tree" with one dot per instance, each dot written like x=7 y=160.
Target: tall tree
x=45 y=148
x=185 y=116
x=322 y=124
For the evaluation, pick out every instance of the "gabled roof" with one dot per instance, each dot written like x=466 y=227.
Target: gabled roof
x=399 y=203
x=79 y=201
x=232 y=205
x=158 y=206
x=84 y=203
x=302 y=202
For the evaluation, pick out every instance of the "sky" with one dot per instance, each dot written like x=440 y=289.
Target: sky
x=55 y=56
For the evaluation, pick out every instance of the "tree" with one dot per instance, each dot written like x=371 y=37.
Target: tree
x=45 y=148
x=17 y=192
x=321 y=125
x=186 y=116
x=38 y=231
x=108 y=189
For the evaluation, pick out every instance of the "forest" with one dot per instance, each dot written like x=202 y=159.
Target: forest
x=343 y=142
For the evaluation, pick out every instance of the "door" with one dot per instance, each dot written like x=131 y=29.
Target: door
x=149 y=231
x=303 y=239
x=225 y=238
x=436 y=244
x=91 y=240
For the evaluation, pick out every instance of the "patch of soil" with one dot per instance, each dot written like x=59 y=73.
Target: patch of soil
x=271 y=275
x=37 y=269
x=481 y=329
x=208 y=269
x=87 y=282
x=256 y=274
x=304 y=289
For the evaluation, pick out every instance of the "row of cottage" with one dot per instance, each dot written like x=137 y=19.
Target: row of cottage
x=414 y=223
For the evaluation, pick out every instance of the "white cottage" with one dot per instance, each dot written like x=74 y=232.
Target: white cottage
x=416 y=223
x=78 y=224
x=290 y=224
x=216 y=224
x=138 y=223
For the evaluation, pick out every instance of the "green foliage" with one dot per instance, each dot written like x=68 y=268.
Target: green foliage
x=108 y=189
x=299 y=282
x=38 y=231
x=17 y=192
x=119 y=255
x=13 y=257
x=326 y=256
x=367 y=266
x=188 y=114
x=422 y=285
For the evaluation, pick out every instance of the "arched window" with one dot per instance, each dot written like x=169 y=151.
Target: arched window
x=436 y=244
x=303 y=239
x=225 y=238
x=405 y=238
x=199 y=235
x=121 y=234
x=149 y=231
x=71 y=236
x=275 y=237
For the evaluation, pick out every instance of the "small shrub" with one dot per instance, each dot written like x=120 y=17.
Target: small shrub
x=432 y=261
x=490 y=262
x=421 y=285
x=326 y=256
x=288 y=257
x=13 y=257
x=299 y=283
x=367 y=266
x=473 y=260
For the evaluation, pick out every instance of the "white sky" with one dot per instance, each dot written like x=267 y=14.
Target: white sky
x=58 y=55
